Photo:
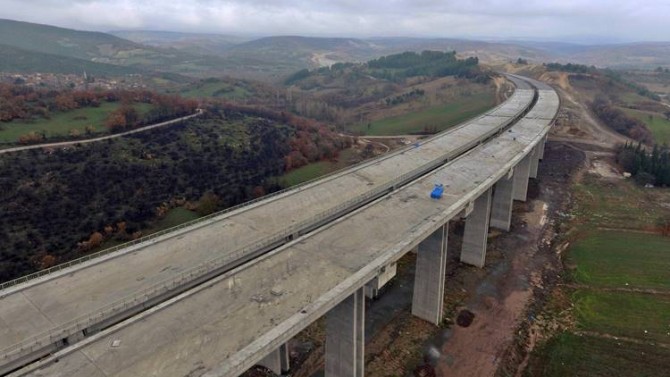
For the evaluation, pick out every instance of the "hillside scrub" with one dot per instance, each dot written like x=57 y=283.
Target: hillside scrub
x=55 y=205
x=619 y=121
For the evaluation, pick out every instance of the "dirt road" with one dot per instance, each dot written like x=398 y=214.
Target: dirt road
x=516 y=264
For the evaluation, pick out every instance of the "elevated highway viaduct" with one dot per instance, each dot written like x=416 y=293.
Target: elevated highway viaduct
x=372 y=213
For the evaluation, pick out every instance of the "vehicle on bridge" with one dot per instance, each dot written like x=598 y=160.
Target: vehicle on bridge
x=437 y=192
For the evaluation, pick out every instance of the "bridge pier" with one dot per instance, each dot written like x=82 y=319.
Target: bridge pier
x=431 y=264
x=521 y=175
x=541 y=146
x=476 y=232
x=345 y=337
x=503 y=199
x=277 y=361
x=534 y=162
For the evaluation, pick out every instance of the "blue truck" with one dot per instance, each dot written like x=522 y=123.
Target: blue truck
x=437 y=192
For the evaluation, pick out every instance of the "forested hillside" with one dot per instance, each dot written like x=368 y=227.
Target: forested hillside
x=56 y=205
x=17 y=60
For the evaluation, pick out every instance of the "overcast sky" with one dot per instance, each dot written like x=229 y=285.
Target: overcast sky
x=609 y=20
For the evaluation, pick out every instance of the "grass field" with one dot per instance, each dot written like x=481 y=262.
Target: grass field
x=316 y=169
x=174 y=217
x=618 y=204
x=608 y=259
x=438 y=117
x=622 y=259
x=657 y=123
x=62 y=123
x=623 y=314
x=217 y=90
x=570 y=355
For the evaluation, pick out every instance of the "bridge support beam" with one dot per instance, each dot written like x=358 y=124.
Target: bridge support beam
x=476 y=231
x=521 y=175
x=385 y=275
x=534 y=162
x=541 y=146
x=345 y=337
x=277 y=361
x=431 y=264
x=501 y=210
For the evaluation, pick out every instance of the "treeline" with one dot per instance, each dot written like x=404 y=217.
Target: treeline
x=56 y=205
x=427 y=63
x=416 y=93
x=399 y=67
x=163 y=108
x=646 y=168
x=619 y=121
x=574 y=68
x=25 y=103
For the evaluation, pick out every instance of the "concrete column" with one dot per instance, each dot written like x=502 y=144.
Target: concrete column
x=521 y=175
x=476 y=231
x=345 y=337
x=431 y=264
x=277 y=361
x=501 y=210
x=541 y=146
x=534 y=162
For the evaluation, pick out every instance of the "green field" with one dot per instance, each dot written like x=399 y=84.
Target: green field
x=621 y=204
x=438 y=117
x=622 y=259
x=623 y=314
x=570 y=355
x=657 y=123
x=609 y=265
x=216 y=90
x=174 y=217
x=316 y=169
x=62 y=123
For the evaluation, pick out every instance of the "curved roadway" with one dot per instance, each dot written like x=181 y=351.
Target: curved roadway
x=31 y=314
x=227 y=325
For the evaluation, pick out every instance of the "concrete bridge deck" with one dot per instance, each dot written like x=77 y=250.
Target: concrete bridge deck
x=226 y=326
x=33 y=314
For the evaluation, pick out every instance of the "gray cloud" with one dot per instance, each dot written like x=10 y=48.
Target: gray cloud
x=558 y=19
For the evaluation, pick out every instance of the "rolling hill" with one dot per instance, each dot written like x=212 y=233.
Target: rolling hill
x=193 y=43
x=16 y=60
x=103 y=48
x=274 y=58
x=64 y=42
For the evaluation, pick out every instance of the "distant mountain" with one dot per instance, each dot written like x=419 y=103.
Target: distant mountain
x=104 y=48
x=486 y=51
x=327 y=50
x=630 y=55
x=274 y=58
x=552 y=48
x=64 y=42
x=200 y=44
x=16 y=60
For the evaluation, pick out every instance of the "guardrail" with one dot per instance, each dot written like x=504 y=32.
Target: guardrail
x=152 y=236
